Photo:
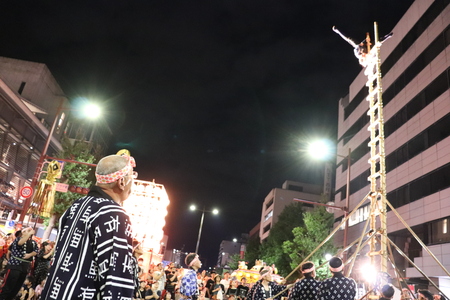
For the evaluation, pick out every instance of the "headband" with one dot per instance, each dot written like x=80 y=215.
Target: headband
x=266 y=270
x=194 y=261
x=108 y=178
x=308 y=270
x=337 y=269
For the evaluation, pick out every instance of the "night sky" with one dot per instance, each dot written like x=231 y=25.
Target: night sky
x=212 y=98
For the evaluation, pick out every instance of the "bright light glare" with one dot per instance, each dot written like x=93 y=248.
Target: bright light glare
x=92 y=111
x=369 y=273
x=147 y=208
x=192 y=207
x=235 y=240
x=215 y=211
x=328 y=256
x=319 y=149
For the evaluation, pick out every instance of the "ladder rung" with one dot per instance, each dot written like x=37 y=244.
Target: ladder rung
x=374 y=124
x=374 y=176
x=374 y=141
x=373 y=109
x=374 y=158
x=373 y=92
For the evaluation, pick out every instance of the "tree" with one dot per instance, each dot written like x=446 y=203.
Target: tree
x=318 y=225
x=271 y=249
x=73 y=174
x=234 y=261
x=253 y=250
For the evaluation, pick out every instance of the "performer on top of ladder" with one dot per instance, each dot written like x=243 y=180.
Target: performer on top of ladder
x=360 y=50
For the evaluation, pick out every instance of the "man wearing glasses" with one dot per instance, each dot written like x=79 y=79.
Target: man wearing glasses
x=93 y=257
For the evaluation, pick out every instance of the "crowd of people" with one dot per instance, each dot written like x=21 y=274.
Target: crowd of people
x=24 y=265
x=95 y=257
x=337 y=287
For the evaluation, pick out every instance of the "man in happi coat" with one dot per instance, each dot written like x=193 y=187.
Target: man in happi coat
x=20 y=254
x=308 y=288
x=266 y=288
x=338 y=287
x=93 y=257
x=189 y=287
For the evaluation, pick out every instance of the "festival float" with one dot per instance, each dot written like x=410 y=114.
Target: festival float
x=253 y=275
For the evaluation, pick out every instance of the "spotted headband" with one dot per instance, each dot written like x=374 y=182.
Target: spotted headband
x=108 y=178
x=194 y=261
x=308 y=270
x=337 y=269
x=266 y=270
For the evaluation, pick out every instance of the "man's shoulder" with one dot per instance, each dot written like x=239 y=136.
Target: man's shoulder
x=90 y=208
x=94 y=204
x=15 y=242
x=95 y=200
x=313 y=280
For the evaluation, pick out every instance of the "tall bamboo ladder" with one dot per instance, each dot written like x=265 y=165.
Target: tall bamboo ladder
x=380 y=245
x=377 y=163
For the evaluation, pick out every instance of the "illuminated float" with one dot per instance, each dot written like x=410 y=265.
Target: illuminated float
x=253 y=275
x=147 y=208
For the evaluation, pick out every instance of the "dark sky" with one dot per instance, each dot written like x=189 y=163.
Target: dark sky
x=213 y=98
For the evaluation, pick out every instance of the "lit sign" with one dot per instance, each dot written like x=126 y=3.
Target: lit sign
x=362 y=213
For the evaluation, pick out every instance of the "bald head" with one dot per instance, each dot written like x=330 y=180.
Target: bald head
x=110 y=164
x=114 y=176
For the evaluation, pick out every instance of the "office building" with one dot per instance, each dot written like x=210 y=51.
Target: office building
x=415 y=68
x=278 y=199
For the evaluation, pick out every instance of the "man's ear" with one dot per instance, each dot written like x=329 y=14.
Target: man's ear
x=121 y=183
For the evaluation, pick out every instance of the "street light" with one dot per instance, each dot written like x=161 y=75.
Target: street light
x=214 y=212
x=320 y=149
x=41 y=160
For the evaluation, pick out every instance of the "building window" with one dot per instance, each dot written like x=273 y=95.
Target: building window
x=439 y=232
x=269 y=203
x=9 y=151
x=444 y=226
x=266 y=228
x=426 y=185
x=60 y=122
x=268 y=216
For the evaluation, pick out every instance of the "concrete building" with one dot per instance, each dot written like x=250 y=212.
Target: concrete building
x=278 y=199
x=416 y=98
x=29 y=101
x=29 y=97
x=226 y=251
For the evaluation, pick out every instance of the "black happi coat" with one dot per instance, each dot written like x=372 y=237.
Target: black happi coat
x=93 y=257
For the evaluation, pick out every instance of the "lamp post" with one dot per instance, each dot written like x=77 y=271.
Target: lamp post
x=41 y=160
x=320 y=149
x=214 y=211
